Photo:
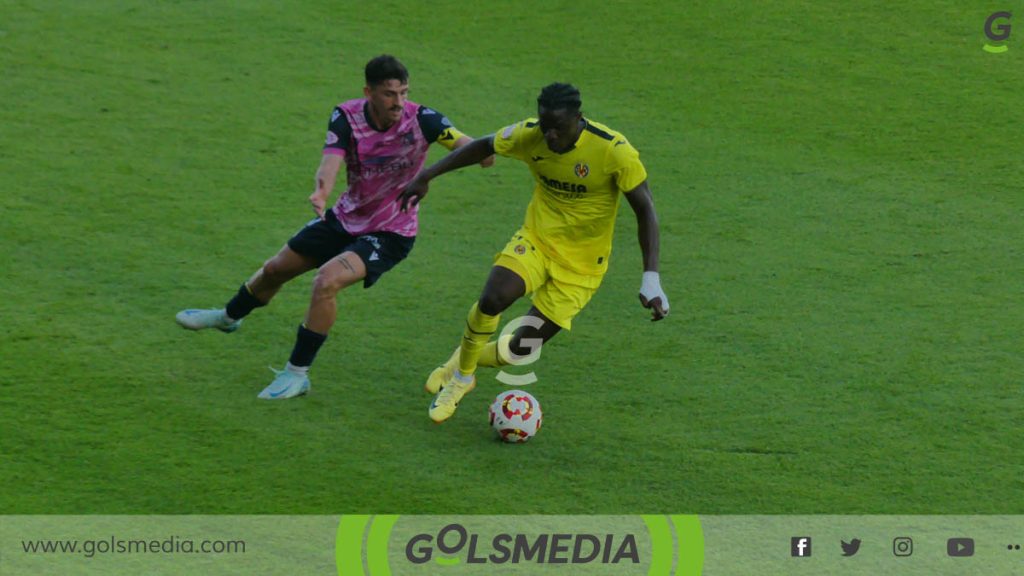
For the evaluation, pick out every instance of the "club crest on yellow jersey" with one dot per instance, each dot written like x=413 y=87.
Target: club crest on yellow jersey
x=581 y=170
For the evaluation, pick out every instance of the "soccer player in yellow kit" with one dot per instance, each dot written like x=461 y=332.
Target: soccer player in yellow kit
x=560 y=255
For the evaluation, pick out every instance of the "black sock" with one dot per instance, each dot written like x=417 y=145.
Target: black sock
x=307 y=344
x=243 y=303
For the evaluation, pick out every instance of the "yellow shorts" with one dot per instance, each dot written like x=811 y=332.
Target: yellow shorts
x=559 y=293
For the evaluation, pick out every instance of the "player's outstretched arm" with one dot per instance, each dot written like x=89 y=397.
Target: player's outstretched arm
x=326 y=176
x=473 y=153
x=485 y=163
x=651 y=294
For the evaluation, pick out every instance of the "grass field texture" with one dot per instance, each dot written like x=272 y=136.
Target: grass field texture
x=839 y=189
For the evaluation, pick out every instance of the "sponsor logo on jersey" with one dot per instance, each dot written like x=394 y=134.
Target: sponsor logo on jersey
x=371 y=167
x=562 y=186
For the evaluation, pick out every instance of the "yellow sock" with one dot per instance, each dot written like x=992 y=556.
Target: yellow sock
x=495 y=353
x=479 y=329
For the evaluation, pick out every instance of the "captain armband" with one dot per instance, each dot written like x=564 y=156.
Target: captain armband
x=449 y=137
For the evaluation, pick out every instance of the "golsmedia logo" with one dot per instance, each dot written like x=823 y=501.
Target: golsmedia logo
x=997 y=29
x=505 y=548
x=651 y=544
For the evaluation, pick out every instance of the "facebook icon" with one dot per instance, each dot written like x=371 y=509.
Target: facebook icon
x=800 y=546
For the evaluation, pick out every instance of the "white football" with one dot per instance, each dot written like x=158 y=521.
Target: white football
x=515 y=416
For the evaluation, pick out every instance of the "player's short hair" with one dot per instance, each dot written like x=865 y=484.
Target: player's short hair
x=559 y=96
x=383 y=68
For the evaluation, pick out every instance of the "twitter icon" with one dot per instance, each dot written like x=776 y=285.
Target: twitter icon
x=850 y=548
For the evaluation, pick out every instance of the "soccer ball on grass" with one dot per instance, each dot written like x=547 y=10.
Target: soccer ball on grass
x=515 y=416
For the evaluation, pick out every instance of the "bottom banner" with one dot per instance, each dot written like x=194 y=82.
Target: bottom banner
x=381 y=545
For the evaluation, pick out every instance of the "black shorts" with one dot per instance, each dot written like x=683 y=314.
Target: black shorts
x=325 y=239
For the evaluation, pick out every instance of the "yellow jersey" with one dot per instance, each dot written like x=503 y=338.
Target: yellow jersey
x=576 y=196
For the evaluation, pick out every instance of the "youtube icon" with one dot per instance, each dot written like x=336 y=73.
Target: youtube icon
x=960 y=547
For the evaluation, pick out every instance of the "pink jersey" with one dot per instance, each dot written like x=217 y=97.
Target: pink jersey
x=379 y=165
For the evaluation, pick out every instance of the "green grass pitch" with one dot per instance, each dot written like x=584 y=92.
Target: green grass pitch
x=842 y=220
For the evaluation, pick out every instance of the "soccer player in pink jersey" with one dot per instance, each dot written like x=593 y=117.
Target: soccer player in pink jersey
x=382 y=139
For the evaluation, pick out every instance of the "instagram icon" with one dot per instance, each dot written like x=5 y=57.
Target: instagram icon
x=902 y=546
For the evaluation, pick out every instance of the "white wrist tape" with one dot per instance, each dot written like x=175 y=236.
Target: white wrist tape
x=650 y=288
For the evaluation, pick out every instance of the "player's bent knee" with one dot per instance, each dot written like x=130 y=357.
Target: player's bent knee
x=273 y=270
x=338 y=274
x=493 y=303
x=503 y=288
x=327 y=285
x=282 y=268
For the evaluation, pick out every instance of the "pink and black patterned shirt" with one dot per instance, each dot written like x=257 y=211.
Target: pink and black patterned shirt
x=381 y=163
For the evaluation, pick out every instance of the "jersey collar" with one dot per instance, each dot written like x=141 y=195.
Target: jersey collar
x=369 y=119
x=583 y=130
